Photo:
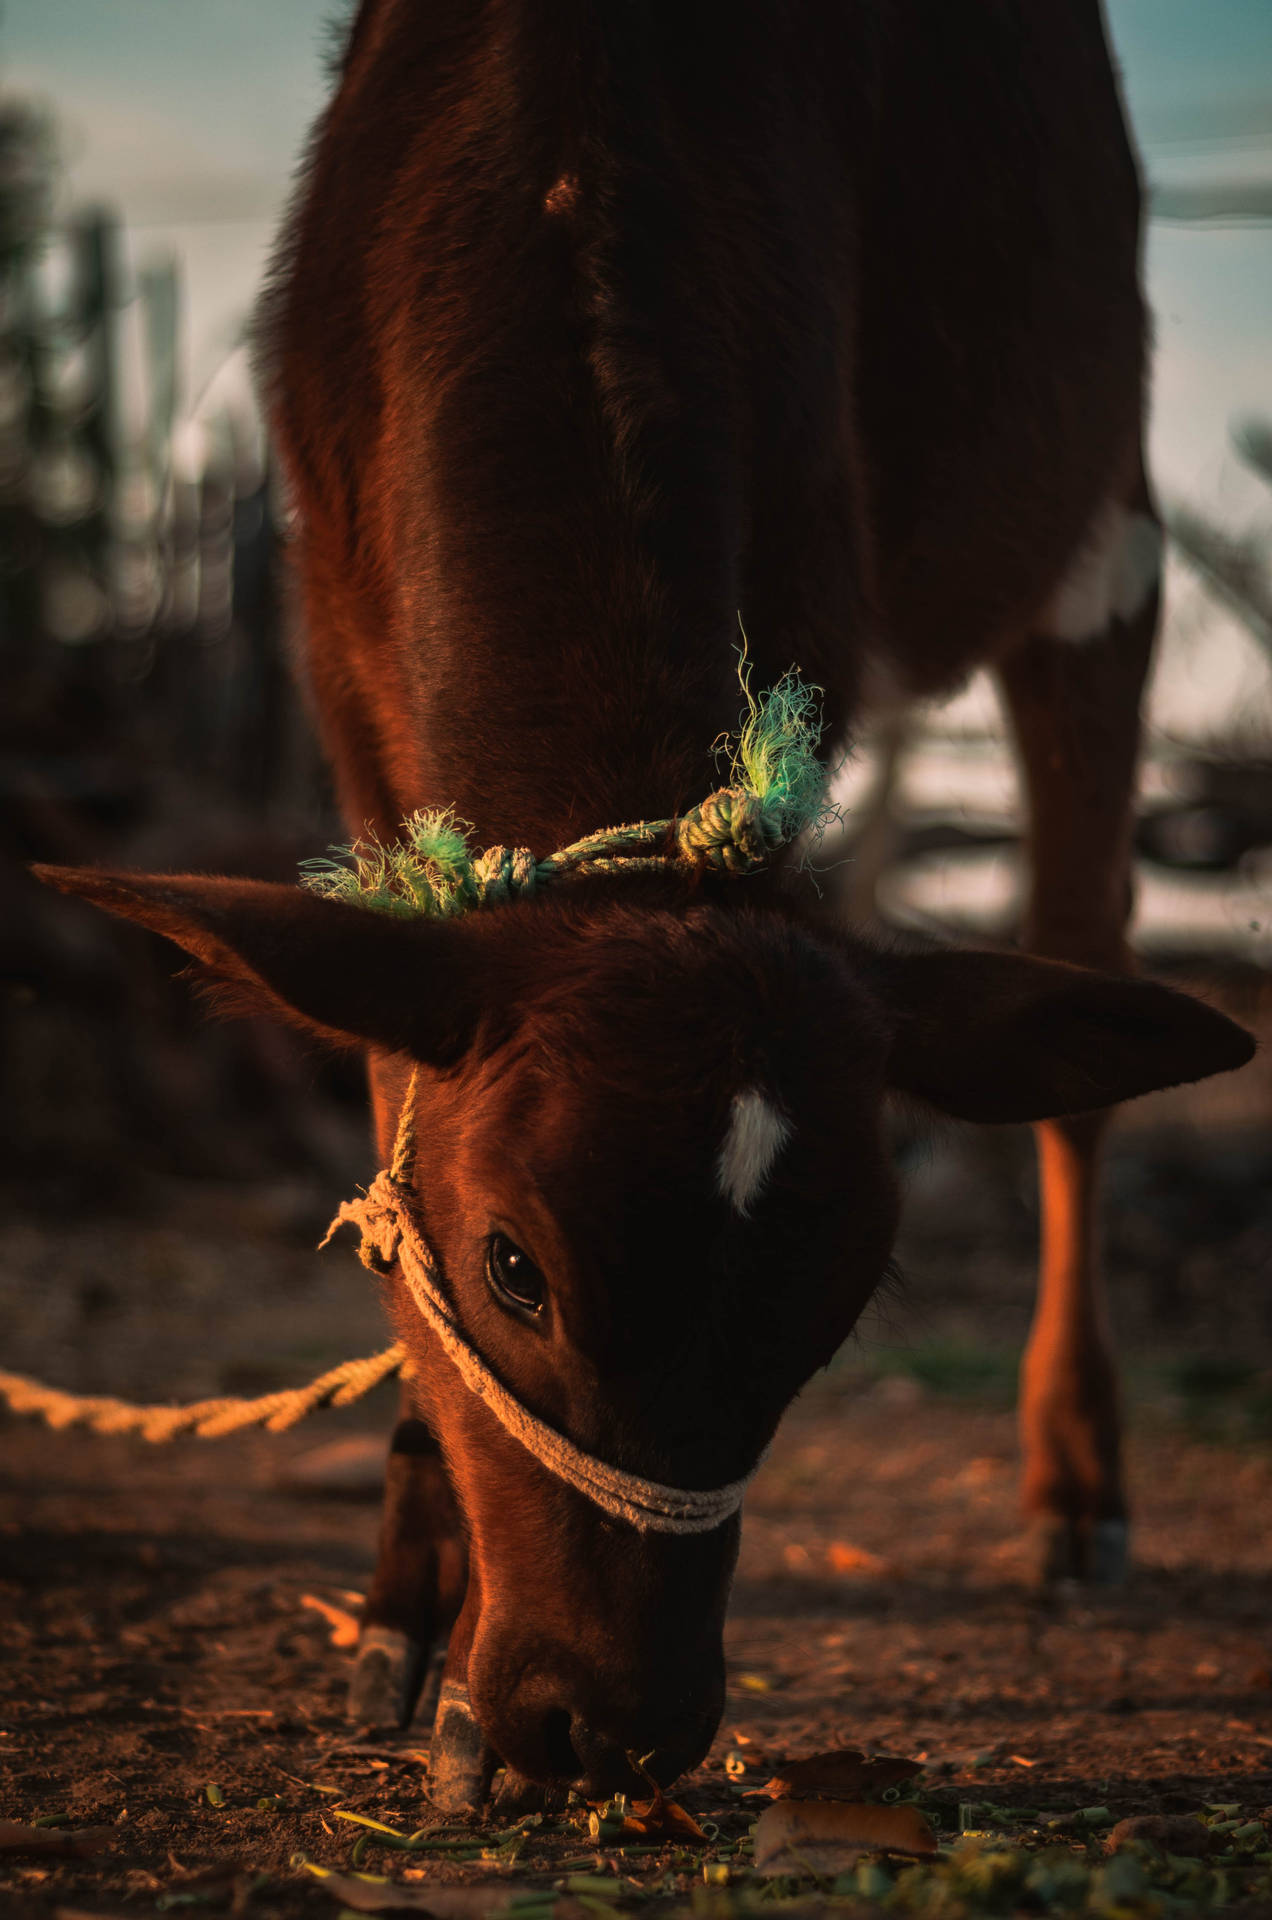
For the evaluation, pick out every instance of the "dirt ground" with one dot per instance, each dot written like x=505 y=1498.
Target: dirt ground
x=158 y=1643
x=164 y=1676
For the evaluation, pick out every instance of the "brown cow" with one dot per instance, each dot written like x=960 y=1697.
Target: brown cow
x=595 y=325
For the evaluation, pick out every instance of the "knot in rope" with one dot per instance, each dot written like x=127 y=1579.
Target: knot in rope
x=731 y=831
x=375 y=1215
x=777 y=792
x=500 y=874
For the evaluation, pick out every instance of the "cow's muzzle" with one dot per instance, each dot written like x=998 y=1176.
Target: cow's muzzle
x=603 y=1732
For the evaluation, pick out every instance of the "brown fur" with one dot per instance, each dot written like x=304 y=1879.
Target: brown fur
x=594 y=326
x=586 y=1050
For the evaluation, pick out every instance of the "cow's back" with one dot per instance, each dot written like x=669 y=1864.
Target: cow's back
x=1002 y=333
x=605 y=322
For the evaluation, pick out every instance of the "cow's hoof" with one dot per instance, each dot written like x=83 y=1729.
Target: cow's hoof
x=460 y=1762
x=1107 y=1553
x=518 y=1796
x=1051 y=1548
x=1060 y=1549
x=387 y=1674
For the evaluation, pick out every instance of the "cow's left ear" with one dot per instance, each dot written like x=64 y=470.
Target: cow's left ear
x=347 y=973
x=1001 y=1036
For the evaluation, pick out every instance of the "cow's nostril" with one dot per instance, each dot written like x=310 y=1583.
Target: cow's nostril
x=562 y=1757
x=604 y=1767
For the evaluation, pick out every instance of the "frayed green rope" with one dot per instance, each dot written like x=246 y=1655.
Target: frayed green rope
x=776 y=792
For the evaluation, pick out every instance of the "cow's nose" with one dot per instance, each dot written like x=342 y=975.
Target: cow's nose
x=556 y=1742
x=598 y=1761
x=551 y=1727
x=606 y=1765
x=593 y=1758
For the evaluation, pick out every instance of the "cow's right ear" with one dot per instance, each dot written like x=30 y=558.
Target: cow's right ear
x=1005 y=1036
x=346 y=973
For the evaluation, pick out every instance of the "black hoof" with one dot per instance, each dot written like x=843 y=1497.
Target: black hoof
x=1107 y=1553
x=387 y=1675
x=1051 y=1549
x=460 y=1762
x=1093 y=1552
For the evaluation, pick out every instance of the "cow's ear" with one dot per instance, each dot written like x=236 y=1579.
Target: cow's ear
x=1000 y=1036
x=347 y=973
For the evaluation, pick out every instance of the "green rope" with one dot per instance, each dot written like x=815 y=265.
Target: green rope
x=776 y=791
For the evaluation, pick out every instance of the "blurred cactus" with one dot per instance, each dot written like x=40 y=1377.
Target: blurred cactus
x=28 y=164
x=145 y=712
x=1252 y=438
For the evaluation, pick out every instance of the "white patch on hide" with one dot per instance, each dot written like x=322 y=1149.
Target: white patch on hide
x=757 y=1133
x=1115 y=570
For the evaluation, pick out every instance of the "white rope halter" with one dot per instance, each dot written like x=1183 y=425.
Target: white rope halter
x=389 y=1233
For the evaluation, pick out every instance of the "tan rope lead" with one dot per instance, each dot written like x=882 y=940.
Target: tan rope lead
x=209 y=1419
x=383 y=1219
x=388 y=1234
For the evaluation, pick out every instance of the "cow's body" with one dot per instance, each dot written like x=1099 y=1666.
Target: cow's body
x=599 y=325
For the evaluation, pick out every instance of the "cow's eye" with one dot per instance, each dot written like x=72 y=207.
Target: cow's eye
x=513 y=1276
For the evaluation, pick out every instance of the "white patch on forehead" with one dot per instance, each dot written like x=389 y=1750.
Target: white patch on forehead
x=1112 y=575
x=757 y=1133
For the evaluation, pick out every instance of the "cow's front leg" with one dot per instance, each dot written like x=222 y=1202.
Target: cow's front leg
x=1073 y=695
x=420 y=1577
x=462 y=1764
x=1070 y=1426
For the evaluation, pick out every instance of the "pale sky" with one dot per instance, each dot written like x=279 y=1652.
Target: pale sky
x=187 y=115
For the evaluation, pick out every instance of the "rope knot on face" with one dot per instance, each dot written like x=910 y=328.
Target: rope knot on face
x=504 y=873
x=776 y=793
x=731 y=831
x=377 y=1218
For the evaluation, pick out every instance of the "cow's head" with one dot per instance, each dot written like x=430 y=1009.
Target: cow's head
x=652 y=1166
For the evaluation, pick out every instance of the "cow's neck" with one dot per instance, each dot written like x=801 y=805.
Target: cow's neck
x=539 y=761
x=494 y=692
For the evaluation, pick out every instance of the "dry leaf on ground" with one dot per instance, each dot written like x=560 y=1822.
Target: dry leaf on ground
x=444 y=1903
x=841 y=1774
x=656 y=1817
x=17 y=1838
x=344 y=1628
x=350 y=1469
x=841 y=1557
x=827 y=1836
x=1172 y=1832
x=83 y=1913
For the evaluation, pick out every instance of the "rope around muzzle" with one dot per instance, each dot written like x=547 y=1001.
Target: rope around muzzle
x=388 y=1234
